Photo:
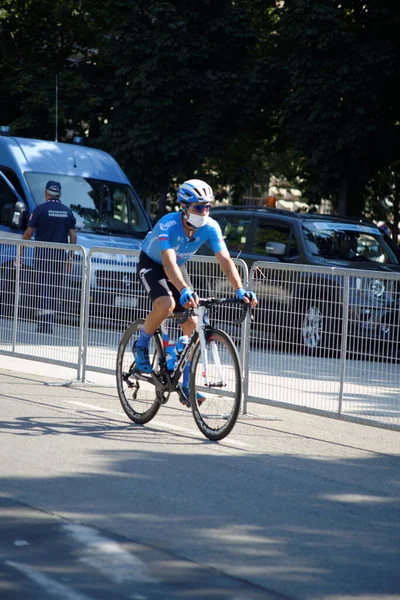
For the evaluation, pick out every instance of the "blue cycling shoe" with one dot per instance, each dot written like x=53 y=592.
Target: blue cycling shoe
x=184 y=395
x=141 y=355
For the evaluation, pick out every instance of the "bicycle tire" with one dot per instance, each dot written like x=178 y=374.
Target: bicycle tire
x=140 y=403
x=217 y=414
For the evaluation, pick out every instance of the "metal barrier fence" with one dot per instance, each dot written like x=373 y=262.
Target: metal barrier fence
x=116 y=298
x=42 y=302
x=326 y=340
x=323 y=340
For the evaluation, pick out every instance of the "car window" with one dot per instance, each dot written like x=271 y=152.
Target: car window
x=347 y=241
x=235 y=231
x=270 y=232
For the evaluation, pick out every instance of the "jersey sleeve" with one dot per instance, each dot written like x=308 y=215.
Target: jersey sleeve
x=216 y=239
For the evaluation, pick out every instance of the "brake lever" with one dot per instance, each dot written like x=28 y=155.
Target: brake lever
x=246 y=308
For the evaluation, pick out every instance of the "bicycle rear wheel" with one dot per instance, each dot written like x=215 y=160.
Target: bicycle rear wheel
x=138 y=398
x=217 y=414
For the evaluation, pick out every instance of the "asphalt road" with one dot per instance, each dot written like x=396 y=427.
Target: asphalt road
x=370 y=388
x=290 y=505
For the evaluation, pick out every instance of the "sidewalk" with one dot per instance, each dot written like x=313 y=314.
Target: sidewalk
x=46 y=370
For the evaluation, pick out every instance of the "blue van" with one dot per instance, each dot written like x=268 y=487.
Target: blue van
x=107 y=209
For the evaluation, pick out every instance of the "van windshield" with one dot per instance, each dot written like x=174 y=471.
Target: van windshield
x=99 y=206
x=347 y=241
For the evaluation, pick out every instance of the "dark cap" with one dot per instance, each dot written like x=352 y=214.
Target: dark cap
x=53 y=188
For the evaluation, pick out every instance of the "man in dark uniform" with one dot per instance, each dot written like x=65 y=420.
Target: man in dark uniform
x=53 y=222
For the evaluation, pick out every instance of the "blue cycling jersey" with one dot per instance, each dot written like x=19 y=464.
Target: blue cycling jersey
x=168 y=233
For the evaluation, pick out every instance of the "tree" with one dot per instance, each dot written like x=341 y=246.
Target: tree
x=382 y=197
x=342 y=105
x=38 y=40
x=186 y=91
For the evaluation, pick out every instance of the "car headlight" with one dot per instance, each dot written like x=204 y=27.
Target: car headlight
x=376 y=288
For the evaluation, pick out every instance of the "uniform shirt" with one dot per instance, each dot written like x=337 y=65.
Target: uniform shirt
x=52 y=221
x=168 y=233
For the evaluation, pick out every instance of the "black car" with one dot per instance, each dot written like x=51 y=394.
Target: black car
x=314 y=320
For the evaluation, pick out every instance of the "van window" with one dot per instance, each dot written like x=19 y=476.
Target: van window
x=100 y=206
x=13 y=178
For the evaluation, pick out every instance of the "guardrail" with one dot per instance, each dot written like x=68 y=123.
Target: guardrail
x=326 y=340
x=39 y=292
x=323 y=340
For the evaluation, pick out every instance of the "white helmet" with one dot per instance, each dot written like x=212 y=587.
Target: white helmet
x=195 y=190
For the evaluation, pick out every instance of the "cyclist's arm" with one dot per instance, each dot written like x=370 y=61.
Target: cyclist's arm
x=171 y=268
x=229 y=269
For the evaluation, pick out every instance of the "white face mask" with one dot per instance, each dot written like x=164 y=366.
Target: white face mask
x=196 y=221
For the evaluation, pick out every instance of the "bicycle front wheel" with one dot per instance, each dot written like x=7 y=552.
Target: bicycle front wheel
x=138 y=398
x=216 y=406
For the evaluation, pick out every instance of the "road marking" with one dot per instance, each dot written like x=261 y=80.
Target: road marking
x=48 y=583
x=93 y=406
x=161 y=424
x=108 y=557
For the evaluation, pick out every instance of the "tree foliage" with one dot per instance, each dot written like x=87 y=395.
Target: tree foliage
x=226 y=90
x=187 y=90
x=37 y=41
x=342 y=105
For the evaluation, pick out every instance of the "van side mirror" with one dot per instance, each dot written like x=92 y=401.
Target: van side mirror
x=275 y=248
x=19 y=216
x=7 y=214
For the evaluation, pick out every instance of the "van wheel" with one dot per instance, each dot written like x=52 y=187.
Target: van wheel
x=7 y=290
x=27 y=292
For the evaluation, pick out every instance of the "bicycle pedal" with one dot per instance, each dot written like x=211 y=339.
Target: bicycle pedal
x=184 y=401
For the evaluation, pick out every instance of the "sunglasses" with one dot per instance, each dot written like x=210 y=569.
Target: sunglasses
x=199 y=208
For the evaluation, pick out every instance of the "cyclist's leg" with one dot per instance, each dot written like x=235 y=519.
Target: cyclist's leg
x=187 y=329
x=153 y=279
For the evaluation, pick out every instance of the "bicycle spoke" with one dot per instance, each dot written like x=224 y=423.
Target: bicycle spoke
x=137 y=394
x=217 y=414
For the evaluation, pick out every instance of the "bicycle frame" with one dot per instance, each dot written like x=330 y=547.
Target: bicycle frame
x=199 y=334
x=171 y=380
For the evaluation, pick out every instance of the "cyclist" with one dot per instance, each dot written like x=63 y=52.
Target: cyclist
x=176 y=237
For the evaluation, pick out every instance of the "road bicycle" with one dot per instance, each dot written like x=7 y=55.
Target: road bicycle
x=215 y=371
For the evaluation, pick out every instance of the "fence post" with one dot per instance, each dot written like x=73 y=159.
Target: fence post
x=84 y=317
x=17 y=285
x=343 y=349
x=245 y=346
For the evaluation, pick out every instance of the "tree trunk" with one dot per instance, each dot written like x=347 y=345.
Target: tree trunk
x=342 y=203
x=350 y=201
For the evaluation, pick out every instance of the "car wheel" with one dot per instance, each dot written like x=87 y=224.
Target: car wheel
x=318 y=331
